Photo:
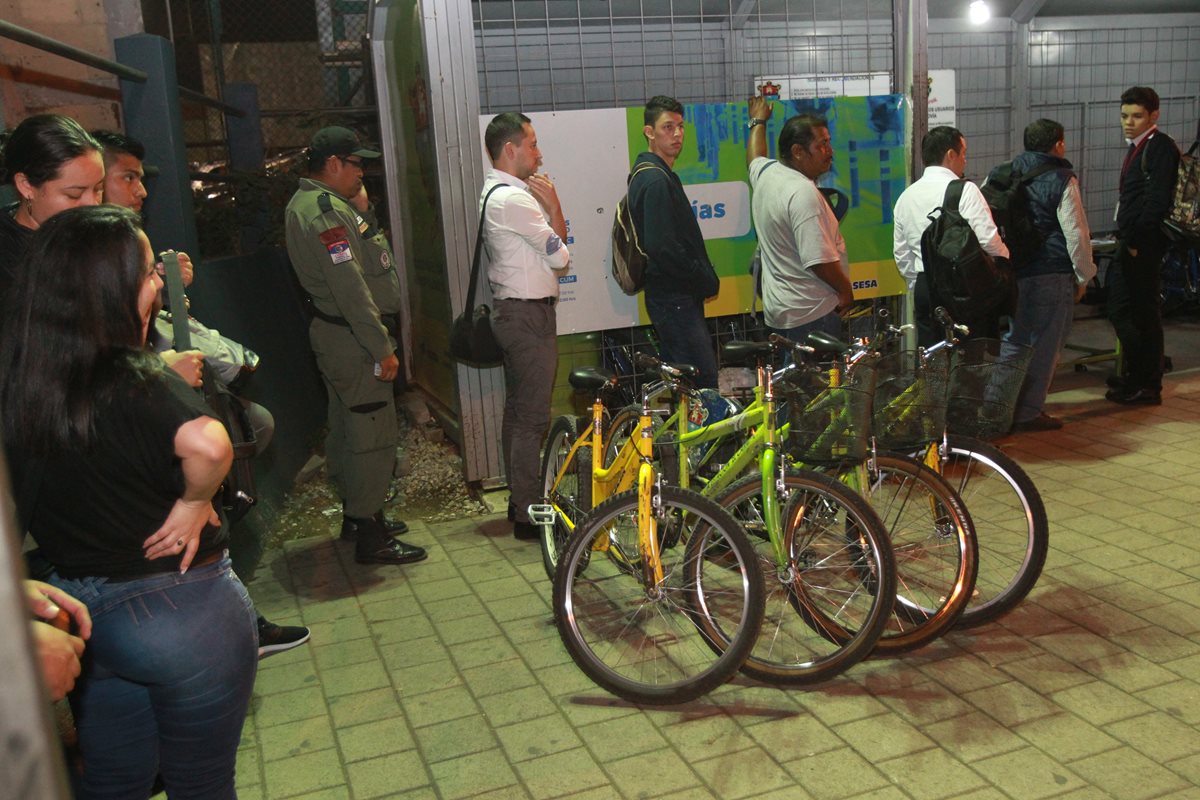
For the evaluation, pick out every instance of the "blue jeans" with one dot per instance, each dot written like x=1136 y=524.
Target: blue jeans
x=1045 y=307
x=683 y=335
x=166 y=681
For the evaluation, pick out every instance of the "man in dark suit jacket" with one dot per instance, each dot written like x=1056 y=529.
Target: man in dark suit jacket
x=1147 y=191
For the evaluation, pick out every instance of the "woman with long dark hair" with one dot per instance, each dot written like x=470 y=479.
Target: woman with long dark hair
x=53 y=164
x=115 y=463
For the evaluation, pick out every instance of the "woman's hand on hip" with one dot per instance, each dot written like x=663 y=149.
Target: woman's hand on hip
x=180 y=534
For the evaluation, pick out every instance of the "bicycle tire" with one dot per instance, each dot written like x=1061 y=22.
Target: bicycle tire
x=934 y=544
x=1010 y=523
x=574 y=492
x=825 y=609
x=645 y=646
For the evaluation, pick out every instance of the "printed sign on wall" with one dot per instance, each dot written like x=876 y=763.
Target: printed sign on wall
x=589 y=153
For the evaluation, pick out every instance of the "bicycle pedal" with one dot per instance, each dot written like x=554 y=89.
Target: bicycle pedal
x=542 y=514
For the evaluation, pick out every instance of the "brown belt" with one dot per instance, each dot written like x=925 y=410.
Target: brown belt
x=209 y=558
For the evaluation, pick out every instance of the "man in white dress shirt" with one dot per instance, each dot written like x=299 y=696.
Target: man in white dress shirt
x=524 y=230
x=944 y=153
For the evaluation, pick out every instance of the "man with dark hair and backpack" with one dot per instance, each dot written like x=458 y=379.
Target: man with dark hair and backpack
x=1058 y=270
x=679 y=275
x=944 y=153
x=1147 y=190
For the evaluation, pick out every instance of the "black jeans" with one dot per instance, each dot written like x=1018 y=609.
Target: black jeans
x=1134 y=309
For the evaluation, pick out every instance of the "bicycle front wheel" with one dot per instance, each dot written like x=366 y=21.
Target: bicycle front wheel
x=572 y=495
x=642 y=642
x=829 y=600
x=1010 y=520
x=934 y=544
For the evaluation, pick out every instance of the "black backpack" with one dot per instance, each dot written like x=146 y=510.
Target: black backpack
x=961 y=275
x=1006 y=196
x=628 y=258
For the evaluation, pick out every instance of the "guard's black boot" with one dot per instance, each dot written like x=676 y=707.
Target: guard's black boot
x=374 y=546
x=350 y=526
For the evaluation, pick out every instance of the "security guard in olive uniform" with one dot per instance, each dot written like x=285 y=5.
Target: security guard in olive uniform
x=345 y=266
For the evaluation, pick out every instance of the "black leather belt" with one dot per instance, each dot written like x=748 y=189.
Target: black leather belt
x=545 y=300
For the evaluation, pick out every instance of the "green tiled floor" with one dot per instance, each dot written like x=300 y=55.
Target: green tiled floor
x=446 y=679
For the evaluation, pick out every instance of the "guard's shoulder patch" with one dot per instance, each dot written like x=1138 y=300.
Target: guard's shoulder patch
x=333 y=234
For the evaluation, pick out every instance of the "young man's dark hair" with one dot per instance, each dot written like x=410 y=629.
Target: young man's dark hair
x=657 y=106
x=801 y=130
x=115 y=143
x=1042 y=135
x=939 y=140
x=504 y=128
x=1142 y=96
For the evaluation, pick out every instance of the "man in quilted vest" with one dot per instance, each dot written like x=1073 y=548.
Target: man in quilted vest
x=1055 y=278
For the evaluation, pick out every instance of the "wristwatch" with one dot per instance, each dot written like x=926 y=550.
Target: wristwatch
x=750 y=125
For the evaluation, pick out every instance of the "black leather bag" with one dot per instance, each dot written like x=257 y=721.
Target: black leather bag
x=471 y=339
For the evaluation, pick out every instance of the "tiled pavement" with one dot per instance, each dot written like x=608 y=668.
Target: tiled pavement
x=447 y=680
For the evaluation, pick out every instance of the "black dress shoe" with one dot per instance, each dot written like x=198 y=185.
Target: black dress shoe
x=388 y=551
x=351 y=525
x=1135 y=397
x=527 y=531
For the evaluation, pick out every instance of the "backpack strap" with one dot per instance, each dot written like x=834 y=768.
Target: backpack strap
x=953 y=195
x=470 y=304
x=1039 y=170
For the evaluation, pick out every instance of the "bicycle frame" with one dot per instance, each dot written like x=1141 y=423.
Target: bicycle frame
x=619 y=476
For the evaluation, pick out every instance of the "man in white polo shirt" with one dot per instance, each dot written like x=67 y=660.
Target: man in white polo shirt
x=524 y=230
x=805 y=276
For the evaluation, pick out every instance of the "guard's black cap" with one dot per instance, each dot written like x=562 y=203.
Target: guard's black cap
x=337 y=141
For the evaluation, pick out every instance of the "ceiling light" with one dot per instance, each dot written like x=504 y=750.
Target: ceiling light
x=979 y=12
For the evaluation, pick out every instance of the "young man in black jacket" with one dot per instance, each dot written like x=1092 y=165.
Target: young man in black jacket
x=1147 y=190
x=679 y=276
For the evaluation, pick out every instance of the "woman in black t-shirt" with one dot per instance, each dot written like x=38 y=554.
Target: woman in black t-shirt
x=116 y=462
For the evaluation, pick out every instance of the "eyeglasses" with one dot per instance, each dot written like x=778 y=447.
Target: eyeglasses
x=354 y=162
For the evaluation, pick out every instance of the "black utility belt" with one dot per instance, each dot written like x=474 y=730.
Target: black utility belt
x=544 y=300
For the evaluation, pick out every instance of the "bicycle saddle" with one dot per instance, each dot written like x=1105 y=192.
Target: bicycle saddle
x=825 y=345
x=743 y=352
x=588 y=378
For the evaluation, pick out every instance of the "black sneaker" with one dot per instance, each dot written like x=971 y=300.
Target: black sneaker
x=274 y=638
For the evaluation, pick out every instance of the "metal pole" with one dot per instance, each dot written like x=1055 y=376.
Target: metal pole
x=26 y=36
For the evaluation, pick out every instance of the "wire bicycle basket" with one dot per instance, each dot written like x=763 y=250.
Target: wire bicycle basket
x=909 y=409
x=829 y=413
x=985 y=380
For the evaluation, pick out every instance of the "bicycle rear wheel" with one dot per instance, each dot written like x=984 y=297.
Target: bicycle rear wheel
x=828 y=604
x=934 y=544
x=641 y=642
x=1010 y=520
x=573 y=494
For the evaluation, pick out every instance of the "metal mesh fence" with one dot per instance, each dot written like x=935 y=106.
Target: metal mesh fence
x=539 y=55
x=308 y=63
